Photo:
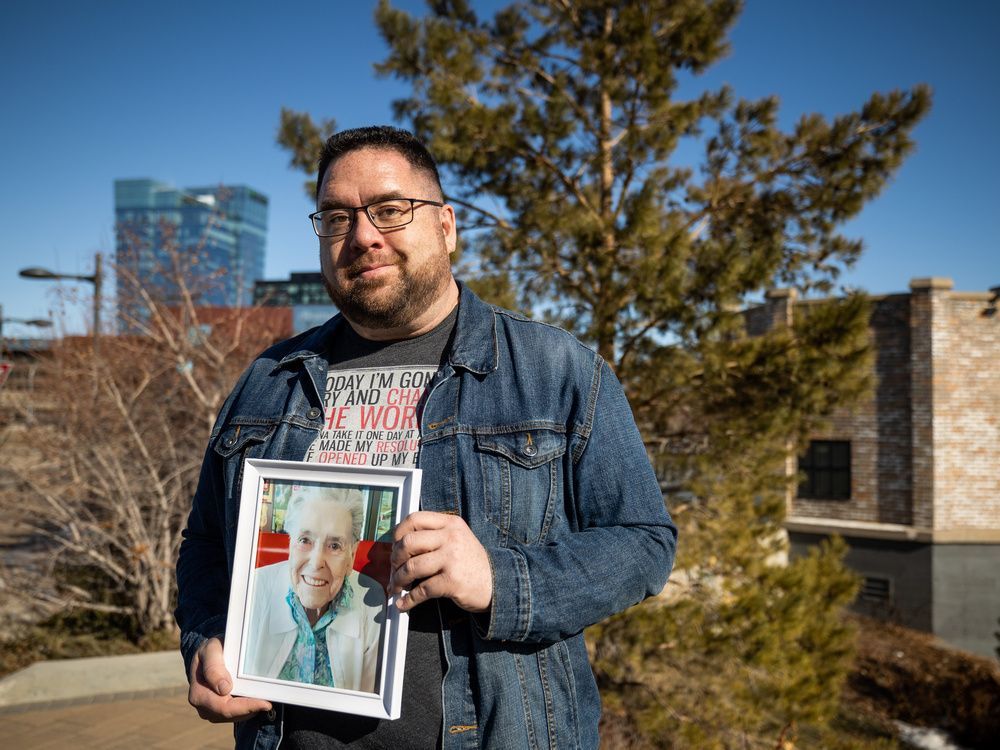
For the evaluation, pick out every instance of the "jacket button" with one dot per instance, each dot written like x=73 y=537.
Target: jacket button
x=230 y=441
x=314 y=413
x=272 y=715
x=529 y=450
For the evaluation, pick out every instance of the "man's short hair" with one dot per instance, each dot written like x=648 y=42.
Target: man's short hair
x=349 y=498
x=385 y=137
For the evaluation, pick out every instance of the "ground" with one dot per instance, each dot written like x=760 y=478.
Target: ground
x=898 y=675
x=910 y=676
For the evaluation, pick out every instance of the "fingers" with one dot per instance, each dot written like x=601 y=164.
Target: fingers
x=416 y=543
x=211 y=684
x=413 y=569
x=217 y=708
x=438 y=556
x=423 y=520
x=472 y=598
x=430 y=588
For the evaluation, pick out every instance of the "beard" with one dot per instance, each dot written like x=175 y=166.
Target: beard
x=384 y=303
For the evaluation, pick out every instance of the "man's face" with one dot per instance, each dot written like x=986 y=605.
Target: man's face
x=320 y=553
x=385 y=278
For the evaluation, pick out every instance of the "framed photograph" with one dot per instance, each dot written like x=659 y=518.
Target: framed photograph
x=310 y=619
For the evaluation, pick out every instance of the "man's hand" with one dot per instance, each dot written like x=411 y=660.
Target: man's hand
x=211 y=686
x=437 y=555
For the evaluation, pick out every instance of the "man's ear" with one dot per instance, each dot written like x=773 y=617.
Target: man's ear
x=449 y=228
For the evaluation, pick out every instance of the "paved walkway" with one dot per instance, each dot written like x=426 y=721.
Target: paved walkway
x=111 y=703
x=128 y=724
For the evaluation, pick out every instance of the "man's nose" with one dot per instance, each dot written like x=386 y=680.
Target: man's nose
x=364 y=233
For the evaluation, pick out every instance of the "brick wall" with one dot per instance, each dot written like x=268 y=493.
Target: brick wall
x=879 y=429
x=966 y=413
x=776 y=311
x=925 y=303
x=925 y=447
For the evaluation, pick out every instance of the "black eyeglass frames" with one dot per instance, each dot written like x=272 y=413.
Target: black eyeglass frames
x=387 y=214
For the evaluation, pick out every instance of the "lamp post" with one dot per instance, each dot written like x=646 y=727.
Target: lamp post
x=97 y=278
x=37 y=322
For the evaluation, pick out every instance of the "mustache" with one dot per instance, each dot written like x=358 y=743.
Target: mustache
x=362 y=264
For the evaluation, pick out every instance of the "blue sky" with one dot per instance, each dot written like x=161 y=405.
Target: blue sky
x=189 y=93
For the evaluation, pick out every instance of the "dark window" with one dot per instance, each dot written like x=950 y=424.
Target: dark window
x=827 y=468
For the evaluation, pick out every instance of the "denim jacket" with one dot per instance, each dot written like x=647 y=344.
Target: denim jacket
x=527 y=435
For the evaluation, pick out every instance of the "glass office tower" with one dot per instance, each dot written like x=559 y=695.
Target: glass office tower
x=217 y=235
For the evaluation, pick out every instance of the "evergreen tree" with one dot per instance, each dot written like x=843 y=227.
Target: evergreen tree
x=304 y=139
x=556 y=124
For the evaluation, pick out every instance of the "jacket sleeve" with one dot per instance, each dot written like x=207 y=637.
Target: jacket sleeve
x=203 y=577
x=622 y=550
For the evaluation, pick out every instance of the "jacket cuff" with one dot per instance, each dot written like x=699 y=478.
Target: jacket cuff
x=510 y=611
x=213 y=627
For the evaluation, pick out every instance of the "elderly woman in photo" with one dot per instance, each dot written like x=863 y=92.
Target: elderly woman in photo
x=313 y=618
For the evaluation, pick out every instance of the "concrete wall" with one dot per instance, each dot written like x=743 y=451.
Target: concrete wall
x=907 y=565
x=966 y=585
x=950 y=590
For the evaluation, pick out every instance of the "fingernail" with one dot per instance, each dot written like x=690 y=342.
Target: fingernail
x=223 y=687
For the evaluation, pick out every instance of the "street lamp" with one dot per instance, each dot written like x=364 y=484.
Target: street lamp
x=37 y=322
x=96 y=279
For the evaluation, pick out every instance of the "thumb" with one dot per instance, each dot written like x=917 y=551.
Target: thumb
x=213 y=667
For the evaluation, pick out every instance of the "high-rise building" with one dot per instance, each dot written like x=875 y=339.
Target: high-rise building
x=218 y=232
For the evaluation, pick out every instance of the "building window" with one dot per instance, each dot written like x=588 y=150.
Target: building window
x=827 y=469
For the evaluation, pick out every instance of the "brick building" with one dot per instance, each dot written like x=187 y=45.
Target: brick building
x=910 y=477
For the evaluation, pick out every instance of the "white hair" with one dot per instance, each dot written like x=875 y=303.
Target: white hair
x=347 y=497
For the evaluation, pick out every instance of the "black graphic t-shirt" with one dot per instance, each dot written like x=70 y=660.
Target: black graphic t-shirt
x=372 y=403
x=371 y=416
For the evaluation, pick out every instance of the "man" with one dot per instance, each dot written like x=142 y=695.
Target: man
x=314 y=619
x=540 y=514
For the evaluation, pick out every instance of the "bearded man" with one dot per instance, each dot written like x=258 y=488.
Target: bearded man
x=540 y=514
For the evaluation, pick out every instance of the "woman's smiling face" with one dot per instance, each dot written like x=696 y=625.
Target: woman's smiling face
x=320 y=553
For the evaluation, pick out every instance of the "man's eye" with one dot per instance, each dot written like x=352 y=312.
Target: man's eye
x=304 y=540
x=338 y=219
x=388 y=213
x=335 y=546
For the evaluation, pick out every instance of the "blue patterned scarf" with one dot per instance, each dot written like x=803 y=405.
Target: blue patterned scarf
x=309 y=660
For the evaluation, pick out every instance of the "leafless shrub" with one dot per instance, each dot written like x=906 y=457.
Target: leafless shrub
x=106 y=478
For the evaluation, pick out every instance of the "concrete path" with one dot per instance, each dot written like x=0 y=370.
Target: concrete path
x=133 y=701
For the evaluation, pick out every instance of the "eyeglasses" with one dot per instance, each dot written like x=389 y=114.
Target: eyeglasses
x=390 y=214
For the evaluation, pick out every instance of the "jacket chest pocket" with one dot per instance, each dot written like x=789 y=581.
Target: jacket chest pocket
x=522 y=480
x=235 y=443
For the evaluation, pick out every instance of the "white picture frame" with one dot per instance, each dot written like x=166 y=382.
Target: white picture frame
x=268 y=595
